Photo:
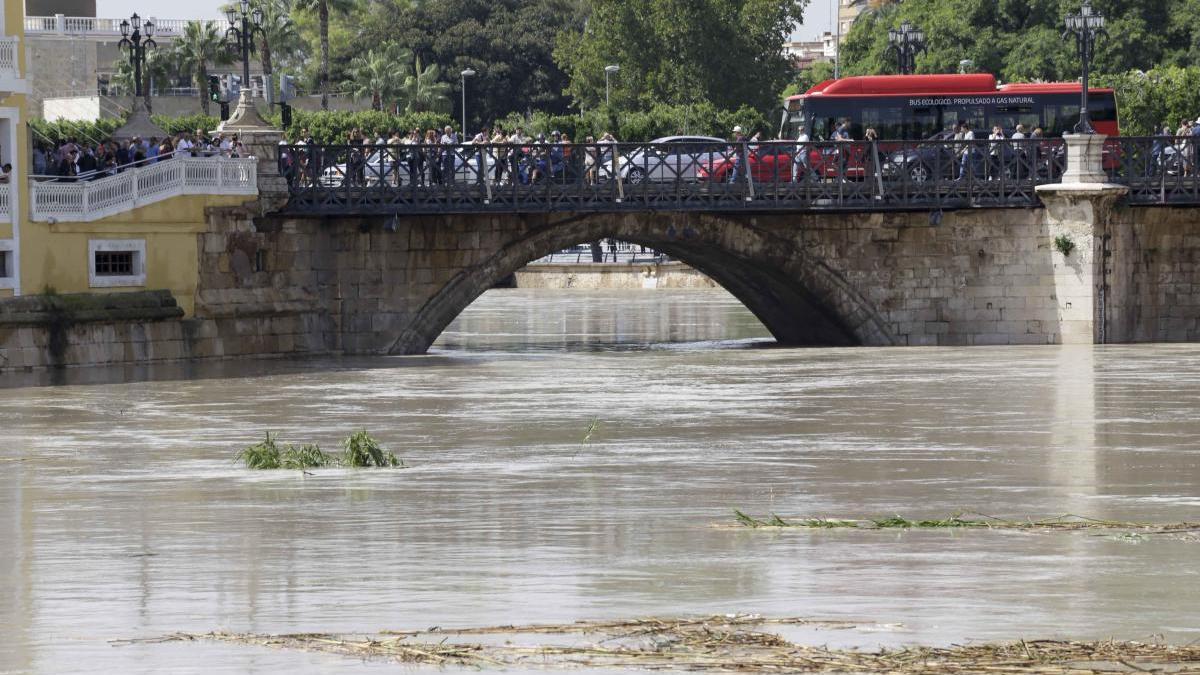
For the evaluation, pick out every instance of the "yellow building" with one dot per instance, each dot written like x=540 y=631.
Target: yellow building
x=14 y=149
x=137 y=230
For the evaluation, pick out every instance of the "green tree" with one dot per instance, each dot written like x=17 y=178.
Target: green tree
x=809 y=77
x=682 y=51
x=508 y=43
x=1022 y=39
x=279 y=39
x=380 y=75
x=323 y=8
x=199 y=45
x=423 y=90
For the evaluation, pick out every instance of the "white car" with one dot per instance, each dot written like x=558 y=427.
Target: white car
x=395 y=167
x=679 y=161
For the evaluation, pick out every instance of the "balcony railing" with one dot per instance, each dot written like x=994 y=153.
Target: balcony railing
x=6 y=203
x=10 y=64
x=101 y=27
x=87 y=200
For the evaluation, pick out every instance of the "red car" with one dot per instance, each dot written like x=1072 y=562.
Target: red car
x=769 y=163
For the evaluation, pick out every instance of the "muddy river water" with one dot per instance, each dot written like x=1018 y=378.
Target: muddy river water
x=122 y=514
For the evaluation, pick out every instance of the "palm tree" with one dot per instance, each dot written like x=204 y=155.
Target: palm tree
x=199 y=45
x=157 y=70
x=323 y=8
x=423 y=92
x=379 y=74
x=279 y=36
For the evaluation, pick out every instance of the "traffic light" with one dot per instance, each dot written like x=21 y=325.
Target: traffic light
x=214 y=88
x=287 y=88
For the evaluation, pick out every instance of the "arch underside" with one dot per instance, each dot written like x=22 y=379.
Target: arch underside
x=801 y=301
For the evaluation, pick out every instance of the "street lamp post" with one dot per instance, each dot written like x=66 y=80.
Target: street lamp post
x=609 y=71
x=1085 y=26
x=906 y=42
x=136 y=43
x=243 y=38
x=136 y=38
x=465 y=74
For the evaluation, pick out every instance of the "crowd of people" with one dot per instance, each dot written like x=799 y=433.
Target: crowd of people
x=75 y=160
x=443 y=157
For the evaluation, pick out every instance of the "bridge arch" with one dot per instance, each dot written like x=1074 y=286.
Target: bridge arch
x=800 y=299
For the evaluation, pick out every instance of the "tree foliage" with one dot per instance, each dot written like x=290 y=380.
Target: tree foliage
x=198 y=46
x=727 y=52
x=508 y=43
x=1021 y=40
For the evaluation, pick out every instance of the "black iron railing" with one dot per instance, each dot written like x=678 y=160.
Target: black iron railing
x=696 y=176
x=1156 y=169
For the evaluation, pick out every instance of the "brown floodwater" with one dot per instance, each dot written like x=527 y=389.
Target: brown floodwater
x=123 y=515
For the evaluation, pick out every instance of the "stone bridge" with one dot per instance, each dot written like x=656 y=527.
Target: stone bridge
x=981 y=276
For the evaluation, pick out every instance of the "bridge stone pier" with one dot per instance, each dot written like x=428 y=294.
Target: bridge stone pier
x=969 y=277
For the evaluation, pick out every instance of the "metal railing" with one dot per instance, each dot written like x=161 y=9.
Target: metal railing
x=10 y=64
x=1156 y=169
x=70 y=199
x=777 y=175
x=6 y=202
x=105 y=27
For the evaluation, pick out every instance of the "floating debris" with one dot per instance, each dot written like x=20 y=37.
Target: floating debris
x=361 y=451
x=975 y=520
x=719 y=643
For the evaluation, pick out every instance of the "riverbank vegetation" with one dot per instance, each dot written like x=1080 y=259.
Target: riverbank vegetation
x=971 y=520
x=360 y=450
x=740 y=643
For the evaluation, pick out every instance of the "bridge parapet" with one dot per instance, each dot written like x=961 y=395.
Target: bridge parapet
x=715 y=176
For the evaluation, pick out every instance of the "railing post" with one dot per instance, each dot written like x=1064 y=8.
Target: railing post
x=85 y=201
x=60 y=24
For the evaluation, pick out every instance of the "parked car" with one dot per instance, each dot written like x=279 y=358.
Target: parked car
x=394 y=167
x=769 y=163
x=677 y=160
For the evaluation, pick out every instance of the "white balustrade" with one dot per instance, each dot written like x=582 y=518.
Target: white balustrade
x=84 y=201
x=101 y=27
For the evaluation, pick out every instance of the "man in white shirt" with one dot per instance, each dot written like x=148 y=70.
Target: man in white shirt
x=967 y=149
x=800 y=168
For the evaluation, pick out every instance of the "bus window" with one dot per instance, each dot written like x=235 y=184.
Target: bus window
x=1103 y=108
x=887 y=122
x=1060 y=119
x=1008 y=117
x=923 y=124
x=822 y=128
x=973 y=115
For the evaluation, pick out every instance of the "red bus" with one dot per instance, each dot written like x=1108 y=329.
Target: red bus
x=917 y=107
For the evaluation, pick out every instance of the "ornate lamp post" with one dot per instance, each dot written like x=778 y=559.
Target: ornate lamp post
x=1085 y=26
x=906 y=42
x=245 y=118
x=243 y=38
x=136 y=38
x=136 y=43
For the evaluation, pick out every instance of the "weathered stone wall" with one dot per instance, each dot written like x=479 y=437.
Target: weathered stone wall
x=1153 y=276
x=280 y=285
x=89 y=330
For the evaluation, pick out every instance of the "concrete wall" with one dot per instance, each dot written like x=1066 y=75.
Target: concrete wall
x=1152 y=259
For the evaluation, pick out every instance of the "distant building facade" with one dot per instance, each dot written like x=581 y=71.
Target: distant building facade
x=806 y=53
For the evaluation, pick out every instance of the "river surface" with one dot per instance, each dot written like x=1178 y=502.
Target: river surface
x=122 y=514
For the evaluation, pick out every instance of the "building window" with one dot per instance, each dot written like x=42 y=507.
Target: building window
x=8 y=265
x=4 y=264
x=116 y=262
x=260 y=260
